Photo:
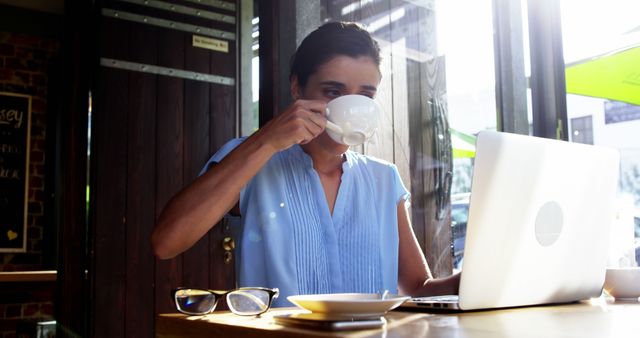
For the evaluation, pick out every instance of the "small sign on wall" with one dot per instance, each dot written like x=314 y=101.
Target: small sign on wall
x=209 y=43
x=15 y=130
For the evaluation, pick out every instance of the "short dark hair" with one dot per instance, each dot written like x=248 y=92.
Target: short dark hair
x=330 y=40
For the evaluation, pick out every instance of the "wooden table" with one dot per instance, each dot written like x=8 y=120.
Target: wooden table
x=598 y=317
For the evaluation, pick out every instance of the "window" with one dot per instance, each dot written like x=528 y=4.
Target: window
x=453 y=68
x=595 y=43
x=582 y=130
x=437 y=85
x=249 y=67
x=471 y=97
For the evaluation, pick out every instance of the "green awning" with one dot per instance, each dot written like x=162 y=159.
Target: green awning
x=463 y=145
x=613 y=76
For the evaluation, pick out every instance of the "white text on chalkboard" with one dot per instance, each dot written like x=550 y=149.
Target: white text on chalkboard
x=11 y=117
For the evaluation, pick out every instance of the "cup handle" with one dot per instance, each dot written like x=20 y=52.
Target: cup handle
x=334 y=127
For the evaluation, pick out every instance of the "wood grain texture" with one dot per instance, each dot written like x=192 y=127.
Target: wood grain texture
x=224 y=126
x=594 y=319
x=437 y=231
x=141 y=132
x=109 y=132
x=197 y=123
x=169 y=153
x=152 y=134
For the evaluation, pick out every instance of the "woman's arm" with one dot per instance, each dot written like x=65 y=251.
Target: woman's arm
x=414 y=275
x=191 y=213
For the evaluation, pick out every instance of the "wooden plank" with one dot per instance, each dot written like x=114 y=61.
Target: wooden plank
x=169 y=154
x=28 y=276
x=223 y=99
x=109 y=132
x=419 y=156
x=196 y=151
x=427 y=76
x=417 y=160
x=437 y=230
x=222 y=272
x=223 y=127
x=140 y=185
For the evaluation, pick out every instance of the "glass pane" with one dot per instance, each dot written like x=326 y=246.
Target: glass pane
x=249 y=67
x=469 y=63
x=470 y=77
x=601 y=52
x=527 y=59
x=433 y=68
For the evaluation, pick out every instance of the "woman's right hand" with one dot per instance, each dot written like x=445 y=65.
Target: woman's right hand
x=300 y=123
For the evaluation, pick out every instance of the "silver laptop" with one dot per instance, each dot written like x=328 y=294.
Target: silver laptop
x=538 y=226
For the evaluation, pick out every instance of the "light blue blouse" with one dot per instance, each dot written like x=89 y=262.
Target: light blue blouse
x=288 y=238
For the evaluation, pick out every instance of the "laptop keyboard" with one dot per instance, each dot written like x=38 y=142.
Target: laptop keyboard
x=445 y=298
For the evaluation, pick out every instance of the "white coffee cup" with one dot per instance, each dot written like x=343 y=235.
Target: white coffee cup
x=623 y=283
x=352 y=119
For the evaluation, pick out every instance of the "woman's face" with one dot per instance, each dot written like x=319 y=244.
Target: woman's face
x=341 y=75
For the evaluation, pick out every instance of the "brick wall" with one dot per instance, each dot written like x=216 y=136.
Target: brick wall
x=24 y=303
x=25 y=65
x=24 y=69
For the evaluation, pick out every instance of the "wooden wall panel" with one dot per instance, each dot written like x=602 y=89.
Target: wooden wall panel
x=109 y=166
x=417 y=160
x=224 y=126
x=141 y=129
x=223 y=99
x=169 y=153
x=420 y=158
x=196 y=151
x=437 y=228
x=152 y=134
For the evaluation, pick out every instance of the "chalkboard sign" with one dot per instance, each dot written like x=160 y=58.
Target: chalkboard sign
x=15 y=127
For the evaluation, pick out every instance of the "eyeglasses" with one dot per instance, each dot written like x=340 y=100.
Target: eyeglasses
x=243 y=301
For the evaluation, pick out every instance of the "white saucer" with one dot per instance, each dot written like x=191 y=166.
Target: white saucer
x=349 y=304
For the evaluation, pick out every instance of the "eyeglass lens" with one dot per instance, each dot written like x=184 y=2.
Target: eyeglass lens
x=195 y=301
x=248 y=301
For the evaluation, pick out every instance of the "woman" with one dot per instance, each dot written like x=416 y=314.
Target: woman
x=316 y=217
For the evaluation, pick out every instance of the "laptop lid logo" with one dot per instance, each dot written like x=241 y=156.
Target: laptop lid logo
x=549 y=222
